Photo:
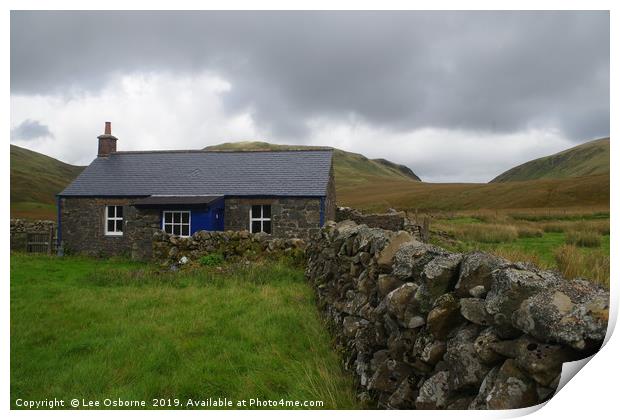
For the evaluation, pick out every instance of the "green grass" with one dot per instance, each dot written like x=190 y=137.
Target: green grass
x=85 y=328
x=543 y=247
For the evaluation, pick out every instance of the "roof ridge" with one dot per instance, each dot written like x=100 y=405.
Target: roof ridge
x=128 y=152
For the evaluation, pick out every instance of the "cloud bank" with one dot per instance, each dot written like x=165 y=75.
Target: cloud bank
x=457 y=96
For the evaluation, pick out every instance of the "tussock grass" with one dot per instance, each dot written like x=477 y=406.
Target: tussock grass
x=600 y=226
x=574 y=263
x=541 y=235
x=529 y=231
x=584 y=239
x=85 y=328
x=555 y=227
x=486 y=233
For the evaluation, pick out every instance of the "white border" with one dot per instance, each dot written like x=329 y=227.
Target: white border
x=592 y=394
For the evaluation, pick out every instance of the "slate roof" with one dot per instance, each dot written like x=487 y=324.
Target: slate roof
x=162 y=200
x=201 y=173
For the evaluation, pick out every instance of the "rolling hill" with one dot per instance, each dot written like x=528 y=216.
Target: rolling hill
x=350 y=168
x=369 y=184
x=35 y=180
x=591 y=158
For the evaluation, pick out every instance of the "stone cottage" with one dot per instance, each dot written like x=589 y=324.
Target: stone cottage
x=120 y=200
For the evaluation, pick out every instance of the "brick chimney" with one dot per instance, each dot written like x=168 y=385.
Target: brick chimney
x=107 y=142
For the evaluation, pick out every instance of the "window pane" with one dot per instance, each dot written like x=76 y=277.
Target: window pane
x=119 y=225
x=168 y=229
x=267 y=226
x=110 y=225
x=255 y=212
x=185 y=230
x=177 y=217
x=119 y=211
x=255 y=227
x=267 y=211
x=110 y=211
x=176 y=229
x=167 y=217
x=185 y=217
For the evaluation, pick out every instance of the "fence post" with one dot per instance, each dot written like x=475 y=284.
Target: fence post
x=50 y=240
x=425 y=229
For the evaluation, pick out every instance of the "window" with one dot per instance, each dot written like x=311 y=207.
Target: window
x=114 y=220
x=176 y=223
x=260 y=219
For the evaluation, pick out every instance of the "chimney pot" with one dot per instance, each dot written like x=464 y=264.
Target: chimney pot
x=108 y=127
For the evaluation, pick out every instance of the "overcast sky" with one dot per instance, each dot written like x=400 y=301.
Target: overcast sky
x=456 y=96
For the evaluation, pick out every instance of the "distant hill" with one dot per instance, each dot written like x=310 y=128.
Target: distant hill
x=350 y=168
x=35 y=181
x=587 y=159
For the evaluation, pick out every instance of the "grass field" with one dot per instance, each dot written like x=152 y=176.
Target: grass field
x=381 y=194
x=574 y=241
x=85 y=328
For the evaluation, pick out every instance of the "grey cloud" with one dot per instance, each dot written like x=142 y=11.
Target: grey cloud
x=31 y=130
x=492 y=71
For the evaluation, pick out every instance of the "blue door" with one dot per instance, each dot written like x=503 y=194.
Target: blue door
x=219 y=219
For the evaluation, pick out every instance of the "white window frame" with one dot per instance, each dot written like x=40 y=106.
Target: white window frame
x=173 y=223
x=115 y=219
x=260 y=219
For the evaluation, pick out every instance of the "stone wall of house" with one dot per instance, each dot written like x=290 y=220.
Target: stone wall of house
x=171 y=250
x=21 y=227
x=140 y=230
x=330 y=198
x=83 y=228
x=424 y=328
x=291 y=217
x=83 y=223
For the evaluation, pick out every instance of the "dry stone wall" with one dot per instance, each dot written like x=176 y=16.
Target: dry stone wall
x=424 y=328
x=31 y=226
x=20 y=228
x=390 y=221
x=173 y=250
